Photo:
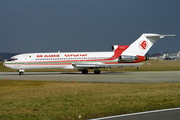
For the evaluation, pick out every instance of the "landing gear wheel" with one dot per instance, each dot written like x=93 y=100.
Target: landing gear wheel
x=97 y=71
x=137 y=68
x=21 y=73
x=84 y=71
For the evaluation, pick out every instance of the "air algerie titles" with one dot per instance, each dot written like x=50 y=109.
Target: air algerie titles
x=47 y=56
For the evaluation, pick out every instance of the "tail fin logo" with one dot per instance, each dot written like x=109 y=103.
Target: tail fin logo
x=143 y=45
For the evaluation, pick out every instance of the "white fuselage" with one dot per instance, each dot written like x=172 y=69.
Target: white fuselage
x=62 y=60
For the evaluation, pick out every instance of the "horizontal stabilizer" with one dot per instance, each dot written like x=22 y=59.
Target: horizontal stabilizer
x=156 y=36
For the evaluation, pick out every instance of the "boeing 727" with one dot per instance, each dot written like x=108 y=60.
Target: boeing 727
x=120 y=56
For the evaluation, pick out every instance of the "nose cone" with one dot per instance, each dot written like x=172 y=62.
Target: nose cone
x=4 y=63
x=7 y=65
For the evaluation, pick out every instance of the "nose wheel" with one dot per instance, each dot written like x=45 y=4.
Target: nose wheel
x=21 y=73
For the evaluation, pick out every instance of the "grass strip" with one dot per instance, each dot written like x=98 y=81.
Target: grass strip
x=66 y=101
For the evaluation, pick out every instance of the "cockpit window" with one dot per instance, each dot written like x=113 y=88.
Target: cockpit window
x=12 y=59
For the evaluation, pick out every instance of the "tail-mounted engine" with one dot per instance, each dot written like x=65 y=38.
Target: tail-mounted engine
x=127 y=58
x=114 y=47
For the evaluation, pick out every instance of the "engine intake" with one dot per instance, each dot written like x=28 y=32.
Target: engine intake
x=127 y=58
x=114 y=47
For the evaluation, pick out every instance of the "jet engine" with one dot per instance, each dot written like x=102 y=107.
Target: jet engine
x=127 y=58
x=114 y=47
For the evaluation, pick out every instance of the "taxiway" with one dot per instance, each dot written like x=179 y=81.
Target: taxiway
x=104 y=77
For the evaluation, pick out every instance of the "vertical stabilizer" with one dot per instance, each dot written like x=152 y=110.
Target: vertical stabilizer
x=143 y=44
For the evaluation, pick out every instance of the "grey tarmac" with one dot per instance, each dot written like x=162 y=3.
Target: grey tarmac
x=104 y=77
x=164 y=114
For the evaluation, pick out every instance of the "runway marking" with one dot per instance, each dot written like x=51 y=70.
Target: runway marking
x=138 y=113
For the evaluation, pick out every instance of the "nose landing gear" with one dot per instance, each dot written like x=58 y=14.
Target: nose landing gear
x=21 y=72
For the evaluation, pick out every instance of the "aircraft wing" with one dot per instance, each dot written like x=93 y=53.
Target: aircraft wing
x=96 y=65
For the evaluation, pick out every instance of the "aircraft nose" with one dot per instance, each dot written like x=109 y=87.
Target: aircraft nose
x=4 y=64
x=7 y=65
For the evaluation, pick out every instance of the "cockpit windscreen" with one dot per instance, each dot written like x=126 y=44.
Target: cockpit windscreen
x=12 y=59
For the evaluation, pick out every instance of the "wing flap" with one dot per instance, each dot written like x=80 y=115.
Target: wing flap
x=78 y=65
x=124 y=64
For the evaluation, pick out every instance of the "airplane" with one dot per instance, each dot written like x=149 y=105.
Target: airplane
x=120 y=56
x=171 y=56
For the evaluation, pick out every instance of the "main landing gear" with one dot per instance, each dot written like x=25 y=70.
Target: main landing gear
x=84 y=71
x=21 y=72
x=96 y=71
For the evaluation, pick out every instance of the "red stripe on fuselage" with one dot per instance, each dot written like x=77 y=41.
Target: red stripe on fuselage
x=119 y=50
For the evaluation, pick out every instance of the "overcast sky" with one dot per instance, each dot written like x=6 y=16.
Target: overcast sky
x=86 y=25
